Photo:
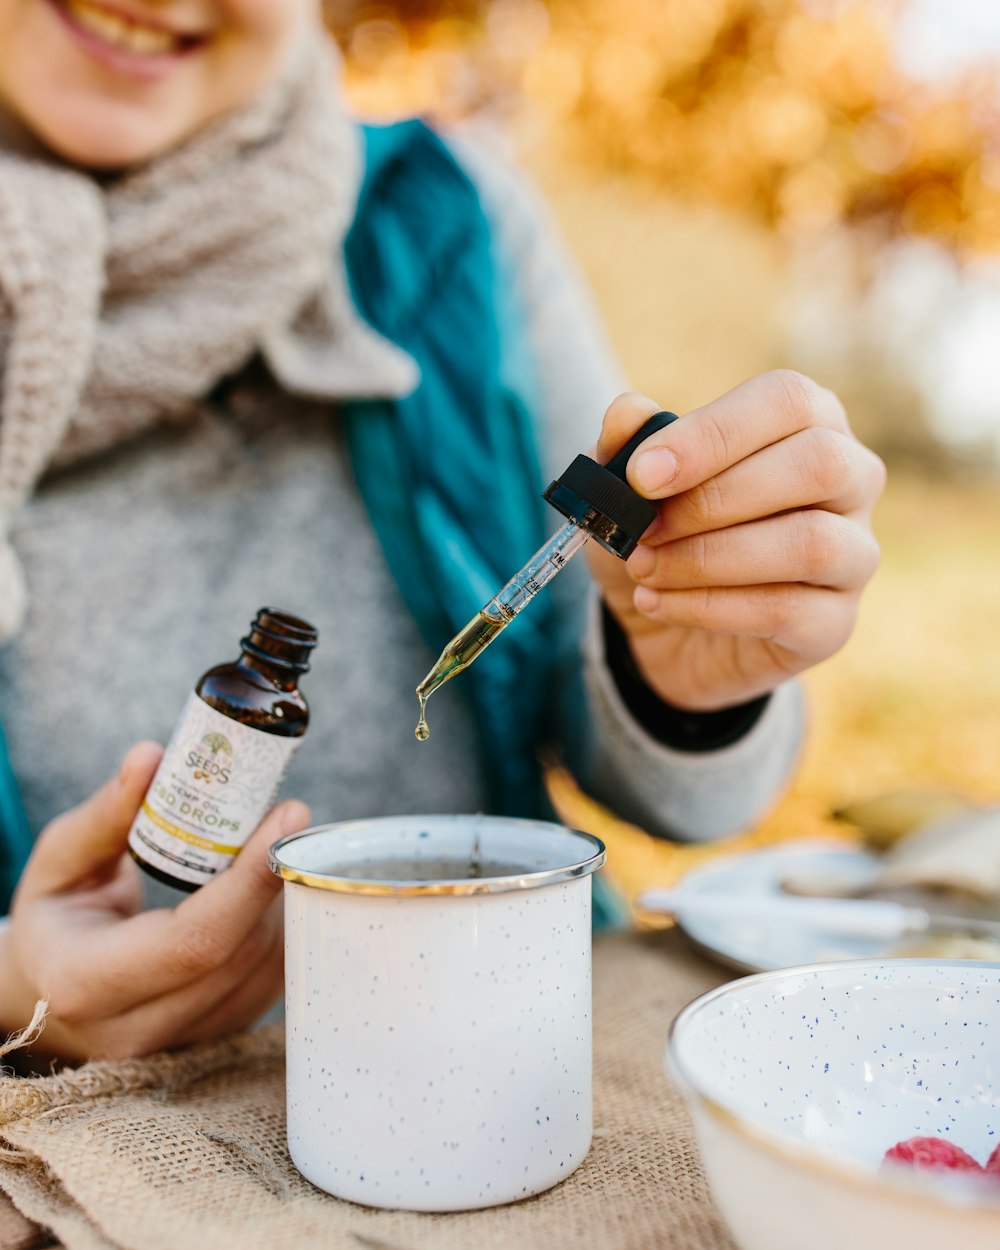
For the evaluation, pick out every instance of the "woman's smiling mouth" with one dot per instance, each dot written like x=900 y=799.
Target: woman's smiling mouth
x=122 y=40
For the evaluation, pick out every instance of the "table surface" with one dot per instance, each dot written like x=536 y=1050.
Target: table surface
x=641 y=1187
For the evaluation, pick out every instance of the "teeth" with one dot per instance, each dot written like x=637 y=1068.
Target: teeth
x=142 y=40
x=150 y=42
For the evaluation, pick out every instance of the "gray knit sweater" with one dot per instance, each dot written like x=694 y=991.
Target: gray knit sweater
x=145 y=565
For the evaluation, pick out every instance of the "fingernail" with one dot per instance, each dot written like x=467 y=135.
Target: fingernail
x=641 y=562
x=645 y=600
x=655 y=468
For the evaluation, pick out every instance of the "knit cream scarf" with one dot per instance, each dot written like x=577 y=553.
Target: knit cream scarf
x=123 y=301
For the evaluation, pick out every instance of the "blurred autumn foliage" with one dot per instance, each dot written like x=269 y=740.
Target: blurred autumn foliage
x=791 y=112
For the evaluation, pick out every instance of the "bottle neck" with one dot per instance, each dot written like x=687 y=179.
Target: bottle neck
x=278 y=647
x=280 y=678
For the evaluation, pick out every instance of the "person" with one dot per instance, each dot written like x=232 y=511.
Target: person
x=182 y=350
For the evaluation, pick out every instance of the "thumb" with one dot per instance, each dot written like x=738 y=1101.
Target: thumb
x=624 y=415
x=88 y=841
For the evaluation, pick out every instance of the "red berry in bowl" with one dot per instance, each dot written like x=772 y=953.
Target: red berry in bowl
x=935 y=1152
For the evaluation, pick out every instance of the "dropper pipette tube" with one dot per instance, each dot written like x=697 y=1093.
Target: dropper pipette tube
x=475 y=637
x=599 y=504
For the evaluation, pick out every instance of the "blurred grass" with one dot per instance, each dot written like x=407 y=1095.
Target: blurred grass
x=915 y=696
x=691 y=297
x=693 y=302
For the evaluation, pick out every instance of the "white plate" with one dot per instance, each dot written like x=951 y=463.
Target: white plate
x=758 y=946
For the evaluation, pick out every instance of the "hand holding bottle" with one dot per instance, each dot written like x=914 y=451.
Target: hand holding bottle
x=754 y=567
x=122 y=982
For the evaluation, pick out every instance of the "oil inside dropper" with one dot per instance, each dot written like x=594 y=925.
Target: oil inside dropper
x=592 y=506
x=473 y=640
x=467 y=644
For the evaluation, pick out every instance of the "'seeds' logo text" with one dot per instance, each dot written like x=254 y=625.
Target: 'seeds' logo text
x=207 y=765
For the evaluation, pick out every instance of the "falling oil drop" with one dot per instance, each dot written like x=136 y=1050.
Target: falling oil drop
x=422 y=731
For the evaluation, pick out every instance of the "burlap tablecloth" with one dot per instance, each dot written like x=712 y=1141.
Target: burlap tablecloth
x=186 y=1151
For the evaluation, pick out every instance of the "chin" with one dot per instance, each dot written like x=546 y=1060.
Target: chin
x=104 y=138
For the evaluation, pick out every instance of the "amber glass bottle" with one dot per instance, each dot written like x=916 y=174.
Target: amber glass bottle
x=227 y=756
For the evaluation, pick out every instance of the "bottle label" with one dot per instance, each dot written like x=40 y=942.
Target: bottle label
x=216 y=782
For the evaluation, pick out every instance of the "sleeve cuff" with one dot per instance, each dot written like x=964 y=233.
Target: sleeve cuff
x=689 y=795
x=677 y=728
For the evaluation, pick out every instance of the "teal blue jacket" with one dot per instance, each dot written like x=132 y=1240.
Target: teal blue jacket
x=449 y=474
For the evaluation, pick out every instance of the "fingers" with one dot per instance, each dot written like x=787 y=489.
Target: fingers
x=814 y=547
x=753 y=566
x=705 y=442
x=220 y=913
x=809 y=621
x=815 y=468
x=85 y=844
x=126 y=963
x=227 y=999
x=244 y=1004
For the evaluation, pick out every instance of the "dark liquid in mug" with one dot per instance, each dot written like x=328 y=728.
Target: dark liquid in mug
x=432 y=868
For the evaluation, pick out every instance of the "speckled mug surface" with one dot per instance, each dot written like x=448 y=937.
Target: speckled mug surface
x=438 y=1007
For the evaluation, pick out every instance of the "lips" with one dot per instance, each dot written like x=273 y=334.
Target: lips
x=125 y=34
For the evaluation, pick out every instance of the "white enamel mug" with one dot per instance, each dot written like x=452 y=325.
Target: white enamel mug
x=438 y=1007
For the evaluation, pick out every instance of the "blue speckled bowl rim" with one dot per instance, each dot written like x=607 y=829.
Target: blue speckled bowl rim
x=920 y=1184
x=461 y=886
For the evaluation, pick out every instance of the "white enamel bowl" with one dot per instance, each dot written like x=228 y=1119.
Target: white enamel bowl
x=798 y=1081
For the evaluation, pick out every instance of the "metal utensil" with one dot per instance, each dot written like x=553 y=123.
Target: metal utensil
x=848 y=917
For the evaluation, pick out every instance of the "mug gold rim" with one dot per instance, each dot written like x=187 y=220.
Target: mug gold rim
x=435 y=889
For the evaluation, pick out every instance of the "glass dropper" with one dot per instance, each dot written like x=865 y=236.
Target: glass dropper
x=600 y=504
x=471 y=641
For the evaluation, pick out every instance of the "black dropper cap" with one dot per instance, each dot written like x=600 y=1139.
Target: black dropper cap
x=599 y=499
